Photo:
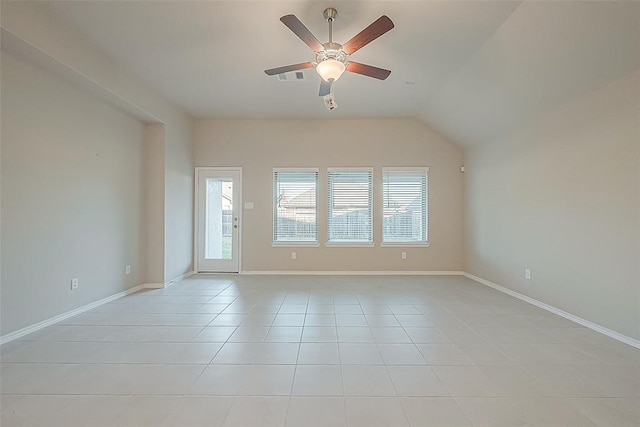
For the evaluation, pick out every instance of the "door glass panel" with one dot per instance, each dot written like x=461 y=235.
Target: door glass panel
x=219 y=218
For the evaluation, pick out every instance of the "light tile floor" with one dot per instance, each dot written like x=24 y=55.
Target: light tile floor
x=318 y=351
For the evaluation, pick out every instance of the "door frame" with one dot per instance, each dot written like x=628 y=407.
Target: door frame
x=196 y=213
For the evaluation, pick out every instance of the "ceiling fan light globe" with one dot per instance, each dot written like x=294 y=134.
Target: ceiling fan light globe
x=330 y=69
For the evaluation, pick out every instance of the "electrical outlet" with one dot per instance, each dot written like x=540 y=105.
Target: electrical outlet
x=75 y=282
x=527 y=274
x=294 y=255
x=404 y=255
x=127 y=269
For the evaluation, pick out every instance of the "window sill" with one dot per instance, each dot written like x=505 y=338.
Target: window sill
x=405 y=244
x=349 y=245
x=295 y=244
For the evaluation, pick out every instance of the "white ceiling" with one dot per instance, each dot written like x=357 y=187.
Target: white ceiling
x=469 y=69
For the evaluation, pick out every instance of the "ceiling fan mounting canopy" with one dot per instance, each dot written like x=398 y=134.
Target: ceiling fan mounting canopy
x=330 y=14
x=332 y=58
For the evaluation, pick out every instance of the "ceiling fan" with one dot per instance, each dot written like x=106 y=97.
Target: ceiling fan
x=332 y=58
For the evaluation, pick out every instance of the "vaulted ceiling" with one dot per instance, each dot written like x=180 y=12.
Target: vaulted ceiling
x=468 y=69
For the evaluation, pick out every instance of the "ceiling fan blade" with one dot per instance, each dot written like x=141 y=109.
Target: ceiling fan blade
x=287 y=68
x=325 y=87
x=368 y=70
x=369 y=34
x=299 y=29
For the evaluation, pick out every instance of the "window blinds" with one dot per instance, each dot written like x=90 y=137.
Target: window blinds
x=295 y=216
x=404 y=205
x=350 y=198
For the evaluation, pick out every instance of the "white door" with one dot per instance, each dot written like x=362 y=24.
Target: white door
x=218 y=219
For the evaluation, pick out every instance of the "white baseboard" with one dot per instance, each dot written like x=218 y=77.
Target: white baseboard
x=579 y=320
x=37 y=326
x=152 y=285
x=352 y=273
x=176 y=279
x=168 y=283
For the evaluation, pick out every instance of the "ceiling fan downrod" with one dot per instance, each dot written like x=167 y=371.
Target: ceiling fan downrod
x=330 y=15
x=330 y=49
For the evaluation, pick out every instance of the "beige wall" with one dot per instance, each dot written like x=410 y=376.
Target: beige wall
x=58 y=46
x=260 y=145
x=561 y=196
x=72 y=196
x=178 y=207
x=154 y=198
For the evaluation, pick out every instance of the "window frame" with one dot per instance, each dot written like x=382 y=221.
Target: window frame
x=274 y=198
x=351 y=243
x=406 y=243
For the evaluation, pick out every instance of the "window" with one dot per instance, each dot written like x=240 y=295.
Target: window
x=404 y=212
x=295 y=218
x=349 y=218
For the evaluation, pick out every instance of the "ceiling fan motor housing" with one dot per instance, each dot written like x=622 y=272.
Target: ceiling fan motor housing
x=331 y=51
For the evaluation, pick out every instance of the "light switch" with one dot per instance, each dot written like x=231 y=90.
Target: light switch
x=248 y=205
